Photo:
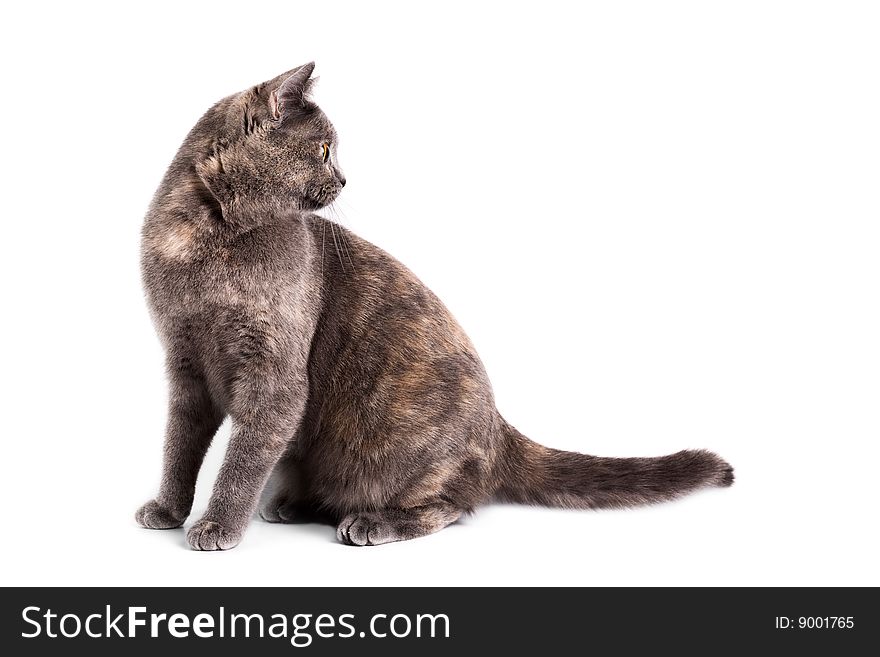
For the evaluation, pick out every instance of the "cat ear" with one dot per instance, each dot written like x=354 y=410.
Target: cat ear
x=211 y=172
x=288 y=100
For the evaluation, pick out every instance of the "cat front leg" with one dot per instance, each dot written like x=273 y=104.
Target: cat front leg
x=193 y=419
x=260 y=434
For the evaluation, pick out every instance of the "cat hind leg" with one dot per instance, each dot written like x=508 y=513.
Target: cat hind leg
x=395 y=524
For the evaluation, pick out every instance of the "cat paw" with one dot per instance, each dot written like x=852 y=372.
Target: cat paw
x=209 y=535
x=279 y=509
x=153 y=515
x=365 y=528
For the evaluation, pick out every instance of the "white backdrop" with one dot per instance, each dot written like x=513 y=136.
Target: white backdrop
x=657 y=221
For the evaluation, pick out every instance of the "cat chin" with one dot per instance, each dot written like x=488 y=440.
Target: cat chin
x=311 y=204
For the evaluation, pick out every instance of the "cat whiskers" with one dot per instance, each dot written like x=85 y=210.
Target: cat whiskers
x=346 y=248
x=323 y=235
x=336 y=218
x=336 y=244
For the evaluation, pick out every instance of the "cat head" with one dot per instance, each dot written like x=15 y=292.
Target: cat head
x=269 y=149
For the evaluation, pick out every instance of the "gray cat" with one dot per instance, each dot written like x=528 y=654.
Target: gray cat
x=344 y=377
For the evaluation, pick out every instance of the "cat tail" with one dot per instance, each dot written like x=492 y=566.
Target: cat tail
x=534 y=474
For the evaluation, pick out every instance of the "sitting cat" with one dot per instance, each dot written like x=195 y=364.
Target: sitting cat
x=344 y=377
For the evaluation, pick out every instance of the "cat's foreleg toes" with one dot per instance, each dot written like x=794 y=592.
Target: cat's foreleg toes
x=207 y=535
x=153 y=515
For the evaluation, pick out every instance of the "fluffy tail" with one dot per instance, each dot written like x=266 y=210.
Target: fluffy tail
x=534 y=474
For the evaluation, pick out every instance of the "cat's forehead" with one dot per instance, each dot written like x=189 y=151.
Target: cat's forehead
x=316 y=126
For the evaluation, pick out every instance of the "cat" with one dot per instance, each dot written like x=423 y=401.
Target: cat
x=346 y=380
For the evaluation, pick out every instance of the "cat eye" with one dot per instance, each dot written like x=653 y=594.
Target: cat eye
x=325 y=152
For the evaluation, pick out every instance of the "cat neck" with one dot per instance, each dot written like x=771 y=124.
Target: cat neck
x=185 y=220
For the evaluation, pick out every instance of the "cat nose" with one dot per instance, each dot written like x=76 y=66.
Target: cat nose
x=341 y=180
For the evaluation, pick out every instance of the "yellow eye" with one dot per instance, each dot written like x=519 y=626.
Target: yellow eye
x=325 y=152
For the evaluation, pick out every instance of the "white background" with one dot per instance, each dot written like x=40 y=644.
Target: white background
x=657 y=221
